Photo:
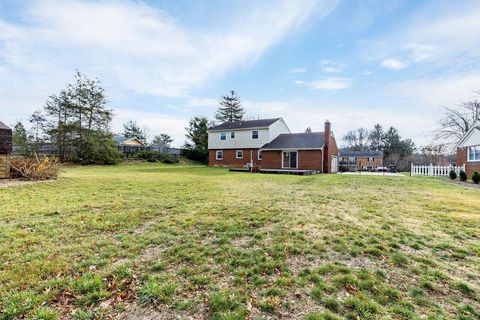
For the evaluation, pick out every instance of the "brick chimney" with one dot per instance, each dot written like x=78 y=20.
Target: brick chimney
x=326 y=152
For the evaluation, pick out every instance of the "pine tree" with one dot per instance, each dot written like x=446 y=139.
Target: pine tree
x=20 y=139
x=162 y=140
x=132 y=130
x=230 y=109
x=376 y=137
x=308 y=130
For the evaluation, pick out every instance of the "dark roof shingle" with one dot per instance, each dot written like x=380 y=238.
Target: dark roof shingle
x=363 y=153
x=311 y=140
x=245 y=124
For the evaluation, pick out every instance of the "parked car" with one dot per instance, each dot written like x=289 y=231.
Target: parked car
x=382 y=169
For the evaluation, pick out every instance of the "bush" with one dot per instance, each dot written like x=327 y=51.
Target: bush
x=452 y=175
x=196 y=154
x=99 y=150
x=34 y=168
x=463 y=176
x=155 y=156
x=476 y=177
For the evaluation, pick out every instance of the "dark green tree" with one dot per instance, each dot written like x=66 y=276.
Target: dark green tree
x=78 y=123
x=230 y=109
x=196 y=147
x=20 y=139
x=376 y=137
x=132 y=130
x=162 y=140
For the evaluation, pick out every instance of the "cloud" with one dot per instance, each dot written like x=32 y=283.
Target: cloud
x=297 y=70
x=327 y=84
x=141 y=48
x=419 y=52
x=393 y=64
x=331 y=70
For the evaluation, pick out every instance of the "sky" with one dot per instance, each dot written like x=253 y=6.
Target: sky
x=355 y=63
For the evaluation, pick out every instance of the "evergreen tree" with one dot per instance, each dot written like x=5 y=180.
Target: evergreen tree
x=196 y=147
x=308 y=130
x=162 y=140
x=78 y=123
x=132 y=130
x=230 y=109
x=376 y=138
x=20 y=139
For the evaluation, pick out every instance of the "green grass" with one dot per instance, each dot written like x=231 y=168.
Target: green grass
x=189 y=241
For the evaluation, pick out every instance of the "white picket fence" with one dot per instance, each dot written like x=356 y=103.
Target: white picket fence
x=434 y=171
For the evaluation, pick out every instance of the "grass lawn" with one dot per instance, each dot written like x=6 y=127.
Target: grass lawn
x=170 y=241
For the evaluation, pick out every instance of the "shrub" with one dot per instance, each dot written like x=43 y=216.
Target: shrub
x=155 y=156
x=476 y=177
x=452 y=175
x=463 y=176
x=34 y=168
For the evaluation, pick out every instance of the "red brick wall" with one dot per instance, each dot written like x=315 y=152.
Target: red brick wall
x=307 y=159
x=470 y=167
x=230 y=160
x=332 y=151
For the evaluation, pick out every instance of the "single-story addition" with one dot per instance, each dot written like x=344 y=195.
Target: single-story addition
x=128 y=145
x=5 y=150
x=268 y=145
x=366 y=160
x=468 y=150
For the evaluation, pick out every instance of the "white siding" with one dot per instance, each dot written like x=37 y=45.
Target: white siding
x=243 y=138
x=277 y=128
x=472 y=140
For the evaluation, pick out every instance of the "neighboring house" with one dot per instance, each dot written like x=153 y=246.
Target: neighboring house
x=5 y=150
x=268 y=144
x=128 y=145
x=366 y=160
x=468 y=150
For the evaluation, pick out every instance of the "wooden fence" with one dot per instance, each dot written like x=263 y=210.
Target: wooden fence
x=434 y=171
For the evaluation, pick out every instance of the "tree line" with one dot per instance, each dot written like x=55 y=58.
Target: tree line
x=76 y=123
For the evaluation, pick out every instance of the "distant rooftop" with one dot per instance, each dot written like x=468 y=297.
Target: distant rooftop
x=3 y=126
x=363 y=153
x=245 y=124
x=310 y=140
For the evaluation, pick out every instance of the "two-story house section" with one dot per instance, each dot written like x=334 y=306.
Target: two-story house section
x=237 y=144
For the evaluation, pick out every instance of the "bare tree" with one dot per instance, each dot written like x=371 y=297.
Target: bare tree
x=457 y=121
x=356 y=140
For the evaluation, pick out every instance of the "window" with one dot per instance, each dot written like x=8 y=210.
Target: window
x=259 y=155
x=255 y=134
x=352 y=159
x=474 y=153
x=370 y=159
x=239 y=154
x=232 y=135
x=223 y=136
x=219 y=155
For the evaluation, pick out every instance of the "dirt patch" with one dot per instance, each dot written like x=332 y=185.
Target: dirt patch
x=135 y=312
x=8 y=183
x=465 y=184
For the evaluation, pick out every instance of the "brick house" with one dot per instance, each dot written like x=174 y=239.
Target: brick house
x=468 y=150
x=366 y=160
x=5 y=150
x=268 y=144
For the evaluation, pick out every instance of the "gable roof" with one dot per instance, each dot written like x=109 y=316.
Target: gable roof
x=311 y=140
x=363 y=153
x=260 y=123
x=475 y=126
x=4 y=126
x=119 y=139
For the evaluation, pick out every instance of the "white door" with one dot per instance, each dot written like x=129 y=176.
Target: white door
x=334 y=164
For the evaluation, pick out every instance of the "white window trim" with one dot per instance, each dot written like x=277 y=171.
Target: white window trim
x=221 y=134
x=259 y=155
x=258 y=134
x=468 y=154
x=217 y=153
x=236 y=154
x=232 y=135
x=283 y=166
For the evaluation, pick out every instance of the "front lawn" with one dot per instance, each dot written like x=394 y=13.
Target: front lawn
x=170 y=241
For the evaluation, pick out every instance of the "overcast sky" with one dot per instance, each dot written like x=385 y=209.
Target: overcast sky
x=353 y=62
